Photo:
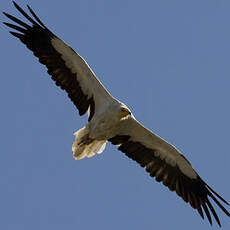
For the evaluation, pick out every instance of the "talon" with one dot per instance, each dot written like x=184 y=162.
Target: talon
x=85 y=140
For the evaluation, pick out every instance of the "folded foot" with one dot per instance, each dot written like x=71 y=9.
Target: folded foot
x=85 y=140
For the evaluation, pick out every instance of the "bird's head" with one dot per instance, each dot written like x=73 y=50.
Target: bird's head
x=123 y=112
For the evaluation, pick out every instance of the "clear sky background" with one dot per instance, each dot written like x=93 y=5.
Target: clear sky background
x=168 y=60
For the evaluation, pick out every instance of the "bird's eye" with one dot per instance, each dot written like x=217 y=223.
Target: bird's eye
x=125 y=112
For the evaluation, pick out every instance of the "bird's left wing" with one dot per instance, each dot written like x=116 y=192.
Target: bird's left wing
x=164 y=162
x=67 y=68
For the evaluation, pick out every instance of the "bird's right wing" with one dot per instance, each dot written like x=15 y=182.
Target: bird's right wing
x=67 y=68
x=164 y=162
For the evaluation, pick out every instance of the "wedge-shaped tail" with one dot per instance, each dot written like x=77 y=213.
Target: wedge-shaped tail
x=82 y=150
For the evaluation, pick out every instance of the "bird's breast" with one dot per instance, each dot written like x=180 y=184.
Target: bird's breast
x=103 y=128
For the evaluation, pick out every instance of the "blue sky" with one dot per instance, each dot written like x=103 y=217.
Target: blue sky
x=168 y=61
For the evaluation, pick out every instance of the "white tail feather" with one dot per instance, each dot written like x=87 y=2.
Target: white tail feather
x=86 y=150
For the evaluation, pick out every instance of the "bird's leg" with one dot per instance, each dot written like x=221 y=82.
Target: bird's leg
x=85 y=140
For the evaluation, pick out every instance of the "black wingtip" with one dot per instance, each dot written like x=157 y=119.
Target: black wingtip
x=212 y=190
x=36 y=17
x=15 y=27
x=213 y=212
x=207 y=213
x=5 y=14
x=18 y=35
x=5 y=23
x=16 y=5
x=199 y=209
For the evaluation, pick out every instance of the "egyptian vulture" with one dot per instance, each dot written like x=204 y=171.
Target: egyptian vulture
x=111 y=120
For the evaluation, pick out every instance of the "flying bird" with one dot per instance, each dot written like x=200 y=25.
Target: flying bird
x=111 y=120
